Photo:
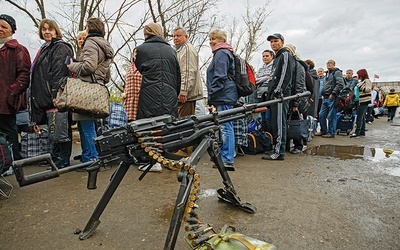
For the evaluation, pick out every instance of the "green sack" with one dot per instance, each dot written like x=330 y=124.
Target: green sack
x=229 y=239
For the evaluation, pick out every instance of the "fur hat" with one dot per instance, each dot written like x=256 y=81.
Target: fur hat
x=153 y=29
x=10 y=21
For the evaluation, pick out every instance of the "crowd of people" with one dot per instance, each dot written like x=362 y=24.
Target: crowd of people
x=164 y=79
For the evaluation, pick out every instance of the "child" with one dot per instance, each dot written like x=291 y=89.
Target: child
x=391 y=102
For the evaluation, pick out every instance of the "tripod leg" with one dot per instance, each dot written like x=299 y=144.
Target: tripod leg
x=228 y=193
x=110 y=190
x=183 y=194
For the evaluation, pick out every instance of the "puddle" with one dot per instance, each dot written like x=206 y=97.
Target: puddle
x=352 y=152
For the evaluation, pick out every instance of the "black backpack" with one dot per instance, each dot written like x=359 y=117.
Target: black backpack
x=345 y=99
x=244 y=77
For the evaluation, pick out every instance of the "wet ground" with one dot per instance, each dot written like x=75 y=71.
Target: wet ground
x=340 y=193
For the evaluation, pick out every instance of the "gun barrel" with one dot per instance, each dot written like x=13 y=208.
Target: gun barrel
x=250 y=107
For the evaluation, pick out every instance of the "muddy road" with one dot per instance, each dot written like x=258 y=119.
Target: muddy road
x=340 y=193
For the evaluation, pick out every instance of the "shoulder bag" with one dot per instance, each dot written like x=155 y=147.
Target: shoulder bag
x=298 y=128
x=82 y=97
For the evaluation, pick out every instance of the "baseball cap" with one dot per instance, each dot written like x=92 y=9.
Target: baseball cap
x=276 y=35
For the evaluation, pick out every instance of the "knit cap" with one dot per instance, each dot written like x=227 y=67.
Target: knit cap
x=10 y=21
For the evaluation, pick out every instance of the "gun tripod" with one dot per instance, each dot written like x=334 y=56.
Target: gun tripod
x=185 y=201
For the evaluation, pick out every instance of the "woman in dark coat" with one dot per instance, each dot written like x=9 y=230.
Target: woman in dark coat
x=161 y=78
x=47 y=69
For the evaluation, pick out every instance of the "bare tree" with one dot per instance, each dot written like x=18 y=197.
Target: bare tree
x=248 y=38
x=198 y=17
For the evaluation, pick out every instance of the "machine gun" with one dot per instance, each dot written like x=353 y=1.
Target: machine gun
x=158 y=138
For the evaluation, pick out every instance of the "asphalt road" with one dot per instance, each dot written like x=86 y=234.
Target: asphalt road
x=328 y=197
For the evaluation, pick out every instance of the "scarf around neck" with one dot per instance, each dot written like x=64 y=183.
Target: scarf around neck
x=222 y=46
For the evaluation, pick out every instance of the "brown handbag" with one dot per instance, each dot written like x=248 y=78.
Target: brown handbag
x=82 y=97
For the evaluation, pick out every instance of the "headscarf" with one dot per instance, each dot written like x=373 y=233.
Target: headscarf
x=153 y=29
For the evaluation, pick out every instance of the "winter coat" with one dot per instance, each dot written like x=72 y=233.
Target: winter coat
x=94 y=64
x=161 y=78
x=15 y=63
x=364 y=92
x=221 y=86
x=283 y=69
x=333 y=83
x=298 y=81
x=391 y=100
x=315 y=96
x=191 y=85
x=95 y=60
x=48 y=68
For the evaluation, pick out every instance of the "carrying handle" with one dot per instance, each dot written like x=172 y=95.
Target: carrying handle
x=298 y=113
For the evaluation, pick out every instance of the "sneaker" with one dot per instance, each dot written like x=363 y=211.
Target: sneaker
x=355 y=135
x=319 y=134
x=155 y=168
x=304 y=148
x=295 y=151
x=369 y=122
x=273 y=156
x=391 y=121
x=328 y=136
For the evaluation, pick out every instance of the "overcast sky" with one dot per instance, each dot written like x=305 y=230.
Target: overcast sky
x=356 y=34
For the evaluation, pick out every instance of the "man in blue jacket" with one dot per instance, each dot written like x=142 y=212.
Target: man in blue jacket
x=279 y=85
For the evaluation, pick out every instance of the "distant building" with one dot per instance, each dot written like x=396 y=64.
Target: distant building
x=386 y=86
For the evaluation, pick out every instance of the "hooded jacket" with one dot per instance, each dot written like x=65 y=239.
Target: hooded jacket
x=391 y=100
x=48 y=68
x=94 y=64
x=334 y=83
x=221 y=86
x=161 y=78
x=95 y=60
x=15 y=63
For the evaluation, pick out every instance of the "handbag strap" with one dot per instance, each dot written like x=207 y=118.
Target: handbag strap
x=78 y=74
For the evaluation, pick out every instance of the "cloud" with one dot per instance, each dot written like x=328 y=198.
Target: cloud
x=356 y=34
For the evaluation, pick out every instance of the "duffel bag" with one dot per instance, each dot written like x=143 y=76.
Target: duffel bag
x=258 y=142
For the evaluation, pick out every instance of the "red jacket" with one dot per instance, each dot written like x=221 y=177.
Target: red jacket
x=15 y=64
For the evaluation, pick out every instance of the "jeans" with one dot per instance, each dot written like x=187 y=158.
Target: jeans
x=328 y=111
x=87 y=132
x=266 y=118
x=360 y=122
x=228 y=137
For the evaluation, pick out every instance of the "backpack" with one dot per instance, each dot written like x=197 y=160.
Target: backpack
x=346 y=99
x=244 y=77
